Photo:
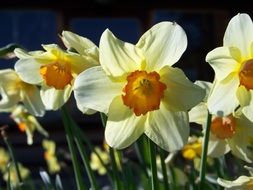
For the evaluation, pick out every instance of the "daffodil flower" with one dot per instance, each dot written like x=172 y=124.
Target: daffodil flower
x=233 y=66
x=27 y=123
x=12 y=174
x=95 y=162
x=13 y=91
x=4 y=159
x=50 y=156
x=55 y=69
x=233 y=132
x=193 y=148
x=139 y=89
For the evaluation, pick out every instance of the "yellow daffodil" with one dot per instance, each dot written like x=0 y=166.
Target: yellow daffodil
x=11 y=172
x=55 y=69
x=233 y=132
x=95 y=162
x=13 y=91
x=233 y=66
x=4 y=159
x=139 y=89
x=193 y=148
x=241 y=183
x=27 y=123
x=50 y=156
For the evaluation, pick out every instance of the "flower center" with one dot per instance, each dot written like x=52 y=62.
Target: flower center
x=223 y=127
x=246 y=74
x=56 y=75
x=143 y=92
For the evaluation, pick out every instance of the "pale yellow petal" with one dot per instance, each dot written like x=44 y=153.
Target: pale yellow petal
x=239 y=33
x=169 y=130
x=117 y=57
x=122 y=128
x=224 y=60
x=181 y=94
x=162 y=45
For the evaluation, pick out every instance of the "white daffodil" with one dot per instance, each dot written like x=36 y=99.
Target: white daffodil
x=13 y=91
x=27 y=123
x=233 y=132
x=139 y=89
x=233 y=66
x=241 y=183
x=55 y=69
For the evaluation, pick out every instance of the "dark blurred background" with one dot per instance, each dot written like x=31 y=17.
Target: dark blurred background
x=32 y=23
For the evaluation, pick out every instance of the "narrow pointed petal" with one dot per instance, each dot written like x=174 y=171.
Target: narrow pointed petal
x=117 y=57
x=181 y=94
x=93 y=89
x=54 y=99
x=163 y=45
x=239 y=184
x=79 y=43
x=31 y=98
x=122 y=127
x=224 y=60
x=223 y=100
x=239 y=33
x=169 y=130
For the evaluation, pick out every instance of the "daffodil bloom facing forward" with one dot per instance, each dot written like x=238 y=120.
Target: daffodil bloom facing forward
x=233 y=66
x=233 y=132
x=54 y=69
x=139 y=90
x=13 y=91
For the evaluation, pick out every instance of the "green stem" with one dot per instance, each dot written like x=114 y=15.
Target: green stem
x=204 y=152
x=13 y=157
x=70 y=141
x=112 y=157
x=164 y=170
x=80 y=135
x=114 y=169
x=86 y=162
x=152 y=156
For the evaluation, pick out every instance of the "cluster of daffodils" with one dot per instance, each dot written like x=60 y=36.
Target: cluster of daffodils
x=8 y=171
x=139 y=90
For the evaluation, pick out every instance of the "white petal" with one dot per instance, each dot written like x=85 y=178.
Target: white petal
x=243 y=95
x=169 y=130
x=9 y=89
x=223 y=100
x=217 y=147
x=162 y=45
x=241 y=142
x=95 y=90
x=29 y=70
x=117 y=57
x=122 y=127
x=181 y=94
x=239 y=33
x=79 y=43
x=31 y=98
x=238 y=184
x=198 y=114
x=53 y=99
x=8 y=101
x=224 y=60
x=206 y=86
